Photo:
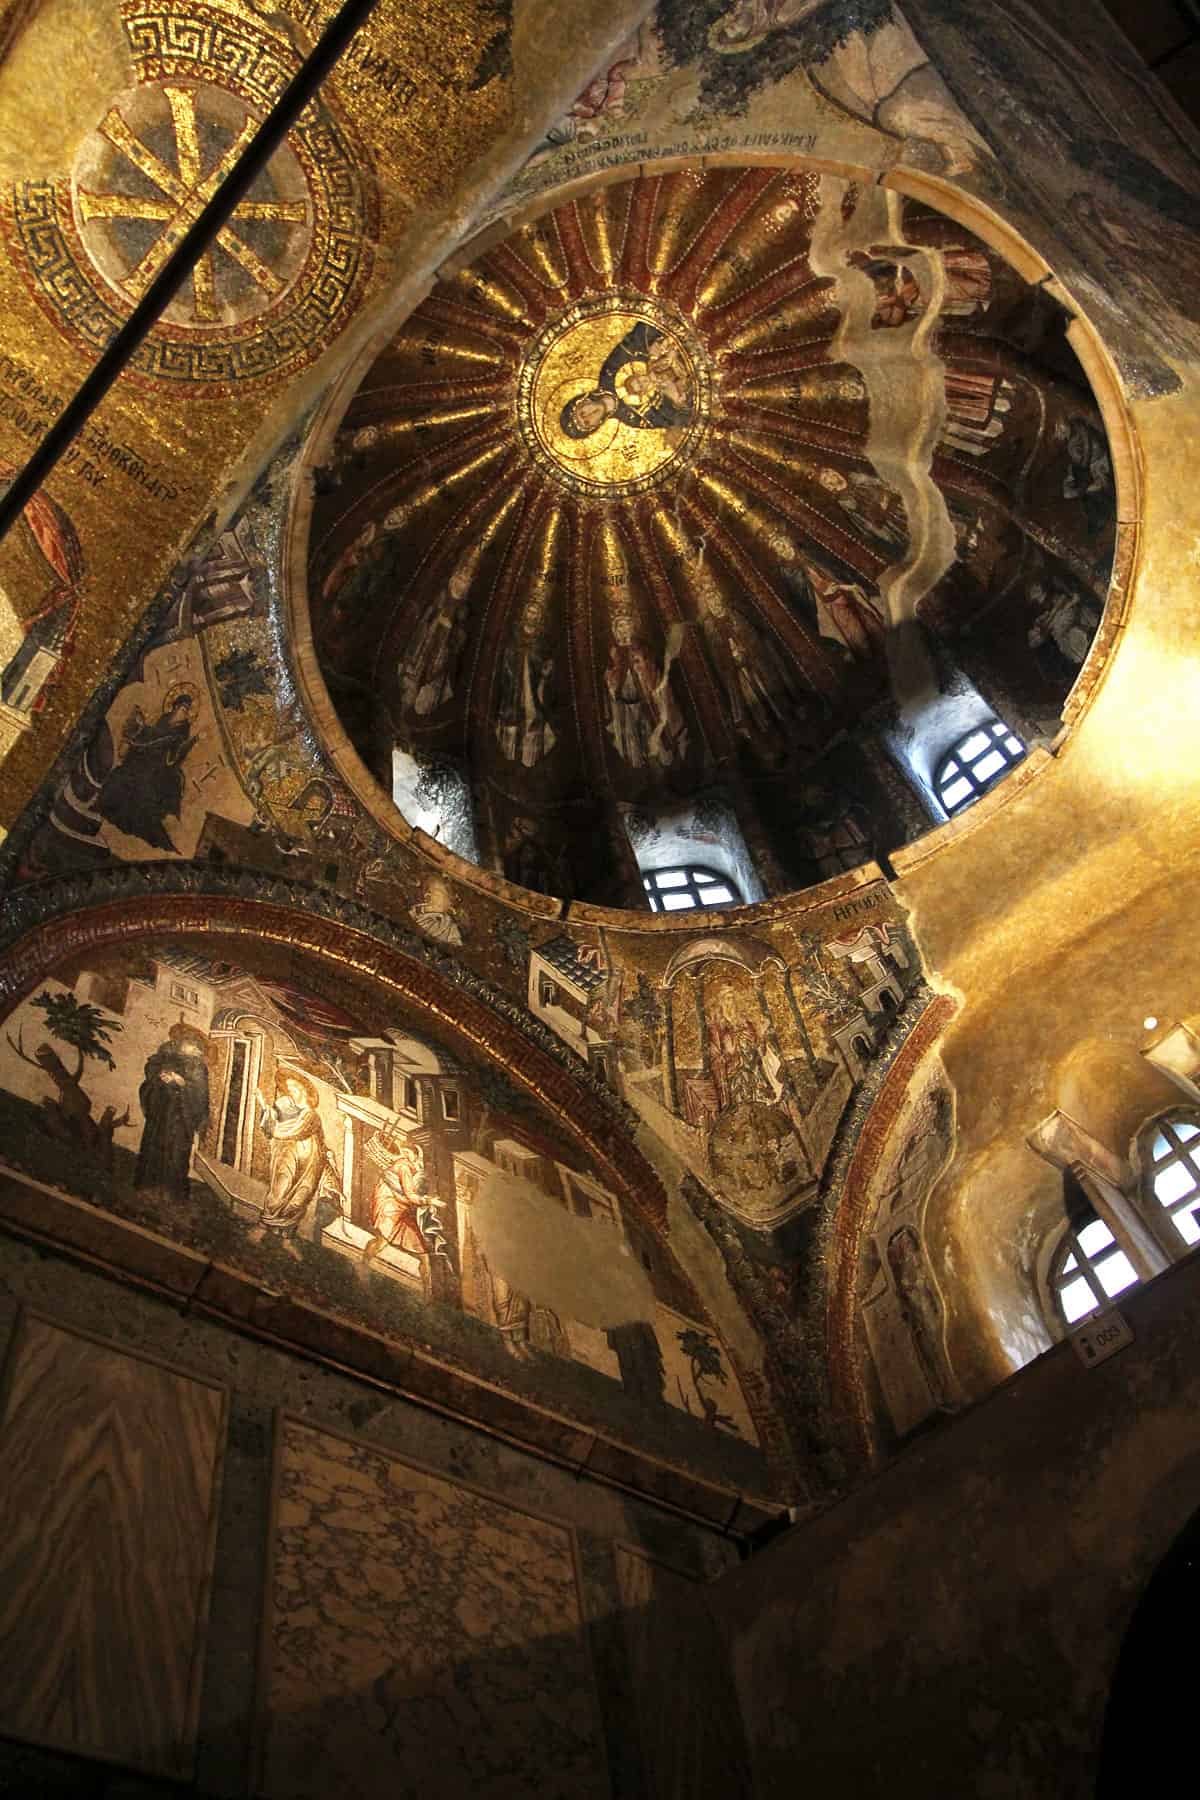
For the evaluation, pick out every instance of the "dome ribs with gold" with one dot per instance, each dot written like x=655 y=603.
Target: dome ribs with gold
x=581 y=274
x=756 y=595
x=681 y=283
x=605 y=523
x=635 y=266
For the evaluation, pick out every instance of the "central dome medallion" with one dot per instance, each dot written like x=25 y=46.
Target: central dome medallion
x=601 y=559
x=614 y=394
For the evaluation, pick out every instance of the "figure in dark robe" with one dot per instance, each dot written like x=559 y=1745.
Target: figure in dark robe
x=643 y=382
x=524 y=690
x=429 y=672
x=174 y=1099
x=640 y=1358
x=145 y=789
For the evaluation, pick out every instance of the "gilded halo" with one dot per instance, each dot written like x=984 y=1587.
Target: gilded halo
x=614 y=394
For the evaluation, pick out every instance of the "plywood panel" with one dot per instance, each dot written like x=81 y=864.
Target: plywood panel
x=107 y=1513
x=421 y=1637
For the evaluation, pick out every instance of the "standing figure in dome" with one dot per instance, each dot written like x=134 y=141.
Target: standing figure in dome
x=644 y=720
x=523 y=729
x=429 y=671
x=299 y=1159
x=759 y=680
x=1064 y=625
x=840 y=611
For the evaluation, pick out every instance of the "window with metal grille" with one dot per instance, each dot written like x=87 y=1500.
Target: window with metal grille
x=1174 y=1172
x=1089 y=1269
x=678 y=890
x=976 y=763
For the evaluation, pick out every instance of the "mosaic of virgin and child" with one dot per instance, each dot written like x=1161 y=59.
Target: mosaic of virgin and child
x=644 y=382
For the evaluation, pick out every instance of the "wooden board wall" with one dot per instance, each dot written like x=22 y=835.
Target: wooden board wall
x=107 y=1524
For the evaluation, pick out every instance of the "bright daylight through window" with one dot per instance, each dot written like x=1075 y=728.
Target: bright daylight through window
x=976 y=763
x=678 y=890
x=1090 y=1269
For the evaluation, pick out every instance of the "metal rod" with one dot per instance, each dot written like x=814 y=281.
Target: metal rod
x=179 y=265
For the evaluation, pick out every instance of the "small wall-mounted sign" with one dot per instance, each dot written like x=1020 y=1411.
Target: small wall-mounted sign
x=1102 y=1337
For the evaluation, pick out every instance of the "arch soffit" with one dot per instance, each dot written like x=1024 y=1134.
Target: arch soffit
x=938 y=191
x=748 y=953
x=852 y=1183
x=462 y=1018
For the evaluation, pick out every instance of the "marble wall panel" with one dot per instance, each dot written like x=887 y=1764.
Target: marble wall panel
x=420 y=1637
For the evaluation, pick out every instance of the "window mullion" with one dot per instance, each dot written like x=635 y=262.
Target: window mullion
x=1135 y=1234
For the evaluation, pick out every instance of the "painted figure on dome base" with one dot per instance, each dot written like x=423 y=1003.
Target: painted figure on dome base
x=429 y=672
x=644 y=720
x=524 y=688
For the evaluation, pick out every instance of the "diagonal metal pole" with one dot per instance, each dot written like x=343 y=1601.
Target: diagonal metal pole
x=191 y=247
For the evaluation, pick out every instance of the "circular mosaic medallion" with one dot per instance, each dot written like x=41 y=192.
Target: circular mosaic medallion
x=142 y=180
x=614 y=394
x=283 y=275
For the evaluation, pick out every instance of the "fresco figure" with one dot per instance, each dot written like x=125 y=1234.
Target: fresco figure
x=877 y=73
x=535 y=863
x=429 y=671
x=644 y=382
x=523 y=729
x=145 y=789
x=1064 y=625
x=1089 y=476
x=644 y=720
x=403 y=1214
x=736 y=1056
x=873 y=508
x=174 y=1100
x=299 y=1160
x=435 y=914
x=523 y=1326
x=26 y=680
x=759 y=689
x=839 y=610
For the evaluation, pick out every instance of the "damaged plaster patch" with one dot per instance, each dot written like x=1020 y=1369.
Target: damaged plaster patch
x=906 y=392
x=558 y=1260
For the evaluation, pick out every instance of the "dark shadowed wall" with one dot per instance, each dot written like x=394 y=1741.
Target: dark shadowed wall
x=953 y=1627
x=226 y=1571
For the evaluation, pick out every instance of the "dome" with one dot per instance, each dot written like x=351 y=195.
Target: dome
x=693 y=511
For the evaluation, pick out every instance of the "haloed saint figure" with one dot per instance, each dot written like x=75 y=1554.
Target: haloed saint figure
x=174 y=1102
x=145 y=787
x=613 y=393
x=643 y=382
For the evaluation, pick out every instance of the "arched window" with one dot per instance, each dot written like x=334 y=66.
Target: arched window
x=1089 y=1268
x=975 y=763
x=680 y=889
x=1172 y=1162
